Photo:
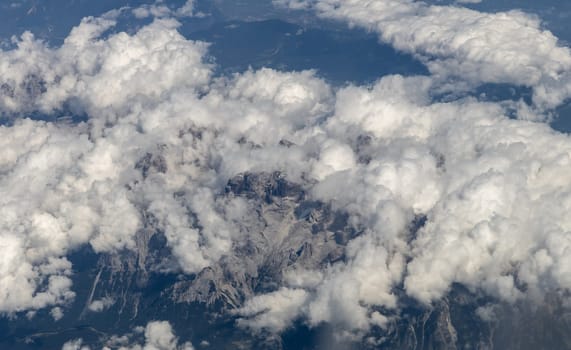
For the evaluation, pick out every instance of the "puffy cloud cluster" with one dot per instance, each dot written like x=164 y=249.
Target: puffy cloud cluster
x=152 y=145
x=158 y=335
x=463 y=44
x=101 y=304
x=493 y=190
x=160 y=9
x=475 y=174
x=90 y=74
x=63 y=185
x=274 y=311
x=163 y=136
x=76 y=344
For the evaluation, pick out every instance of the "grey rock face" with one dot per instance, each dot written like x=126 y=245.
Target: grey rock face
x=284 y=231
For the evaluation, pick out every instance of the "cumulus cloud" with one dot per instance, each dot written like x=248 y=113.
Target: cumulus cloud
x=76 y=344
x=483 y=181
x=188 y=10
x=63 y=182
x=162 y=137
x=293 y=4
x=473 y=167
x=460 y=43
x=158 y=335
x=155 y=10
x=56 y=313
x=92 y=75
x=161 y=10
x=149 y=135
x=274 y=311
x=100 y=304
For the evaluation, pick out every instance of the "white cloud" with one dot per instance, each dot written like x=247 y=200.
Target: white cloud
x=70 y=185
x=157 y=10
x=346 y=294
x=163 y=137
x=483 y=180
x=76 y=344
x=101 y=304
x=475 y=47
x=293 y=4
x=161 y=10
x=56 y=313
x=94 y=74
x=274 y=311
x=158 y=335
x=188 y=10
x=485 y=201
x=67 y=183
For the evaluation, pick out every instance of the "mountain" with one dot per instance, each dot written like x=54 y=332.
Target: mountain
x=286 y=231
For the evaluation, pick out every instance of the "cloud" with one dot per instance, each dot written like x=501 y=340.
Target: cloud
x=346 y=294
x=460 y=43
x=162 y=136
x=56 y=313
x=67 y=183
x=293 y=4
x=483 y=180
x=156 y=10
x=158 y=335
x=91 y=74
x=472 y=171
x=188 y=10
x=148 y=136
x=161 y=10
x=274 y=311
x=76 y=344
x=101 y=304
